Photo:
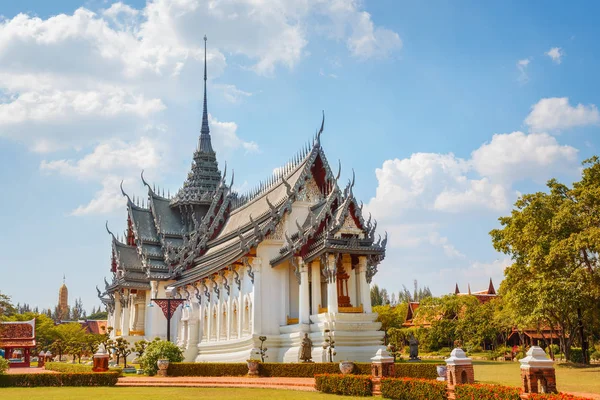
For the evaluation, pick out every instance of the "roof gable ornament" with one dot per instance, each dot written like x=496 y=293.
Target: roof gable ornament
x=318 y=136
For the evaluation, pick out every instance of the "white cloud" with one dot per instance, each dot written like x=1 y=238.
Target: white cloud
x=225 y=138
x=556 y=54
x=513 y=156
x=556 y=114
x=106 y=200
x=522 y=67
x=446 y=183
x=109 y=157
x=430 y=181
x=369 y=41
x=69 y=79
x=232 y=93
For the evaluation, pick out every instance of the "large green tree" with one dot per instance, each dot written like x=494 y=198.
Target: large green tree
x=553 y=239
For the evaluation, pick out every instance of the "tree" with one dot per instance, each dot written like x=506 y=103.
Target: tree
x=390 y=317
x=140 y=347
x=554 y=241
x=6 y=307
x=66 y=335
x=77 y=312
x=102 y=315
x=123 y=350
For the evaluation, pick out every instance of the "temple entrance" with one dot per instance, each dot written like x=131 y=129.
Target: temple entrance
x=342 y=288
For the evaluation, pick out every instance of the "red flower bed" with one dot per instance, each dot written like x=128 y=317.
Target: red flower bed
x=486 y=392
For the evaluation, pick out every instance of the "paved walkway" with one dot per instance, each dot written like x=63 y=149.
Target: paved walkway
x=305 y=384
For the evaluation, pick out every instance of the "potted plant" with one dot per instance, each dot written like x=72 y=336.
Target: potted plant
x=163 y=365
x=346 y=367
x=254 y=362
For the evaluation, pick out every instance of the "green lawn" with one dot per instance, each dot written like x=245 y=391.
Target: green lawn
x=568 y=379
x=159 y=393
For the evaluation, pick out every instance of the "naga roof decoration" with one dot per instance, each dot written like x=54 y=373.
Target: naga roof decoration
x=207 y=226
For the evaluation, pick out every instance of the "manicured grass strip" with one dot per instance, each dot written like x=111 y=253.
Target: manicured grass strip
x=156 y=393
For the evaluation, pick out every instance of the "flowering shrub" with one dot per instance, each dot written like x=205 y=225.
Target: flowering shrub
x=486 y=392
x=348 y=385
x=4 y=365
x=159 y=350
x=413 y=389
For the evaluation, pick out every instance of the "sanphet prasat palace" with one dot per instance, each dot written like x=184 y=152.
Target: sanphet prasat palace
x=293 y=256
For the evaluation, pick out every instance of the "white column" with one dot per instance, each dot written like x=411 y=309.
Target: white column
x=240 y=302
x=316 y=285
x=125 y=322
x=231 y=283
x=332 y=295
x=209 y=324
x=118 y=314
x=220 y=312
x=303 y=306
x=365 y=290
x=256 y=297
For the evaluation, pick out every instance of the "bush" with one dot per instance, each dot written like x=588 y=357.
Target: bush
x=413 y=389
x=207 y=369
x=408 y=370
x=486 y=392
x=74 y=368
x=4 y=365
x=62 y=367
x=61 y=379
x=347 y=385
x=296 y=370
x=595 y=356
x=576 y=355
x=159 y=350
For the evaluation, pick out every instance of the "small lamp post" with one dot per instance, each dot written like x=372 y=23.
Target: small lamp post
x=263 y=351
x=329 y=345
x=41 y=359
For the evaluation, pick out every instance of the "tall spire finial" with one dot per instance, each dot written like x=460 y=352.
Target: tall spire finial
x=64 y=278
x=205 y=144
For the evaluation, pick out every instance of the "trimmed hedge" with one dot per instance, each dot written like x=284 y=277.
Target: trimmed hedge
x=75 y=368
x=347 y=385
x=486 y=392
x=295 y=370
x=61 y=379
x=207 y=369
x=410 y=370
x=70 y=368
x=413 y=389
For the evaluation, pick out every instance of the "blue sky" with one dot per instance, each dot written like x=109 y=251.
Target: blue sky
x=445 y=110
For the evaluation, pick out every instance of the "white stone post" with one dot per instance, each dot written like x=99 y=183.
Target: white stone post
x=117 y=315
x=304 y=311
x=240 y=303
x=256 y=297
x=125 y=322
x=316 y=285
x=332 y=294
x=220 y=312
x=231 y=283
x=365 y=289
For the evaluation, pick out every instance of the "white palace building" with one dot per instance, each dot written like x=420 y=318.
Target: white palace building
x=293 y=256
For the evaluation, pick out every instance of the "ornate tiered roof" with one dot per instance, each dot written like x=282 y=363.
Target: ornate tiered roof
x=207 y=226
x=17 y=334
